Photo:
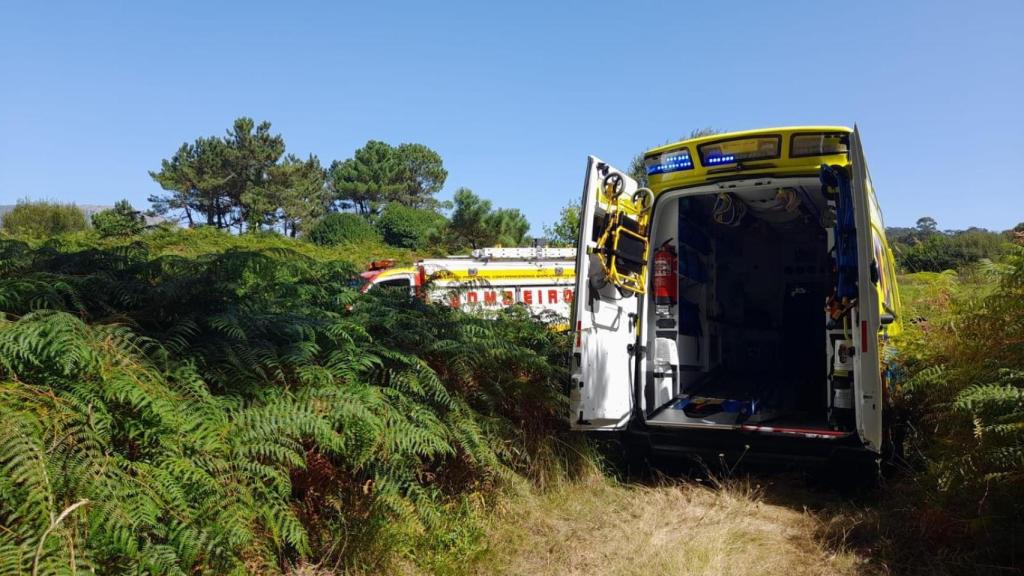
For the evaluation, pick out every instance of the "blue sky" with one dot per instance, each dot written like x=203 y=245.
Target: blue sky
x=514 y=95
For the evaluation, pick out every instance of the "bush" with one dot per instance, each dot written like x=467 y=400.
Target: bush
x=43 y=219
x=121 y=220
x=938 y=252
x=235 y=407
x=964 y=396
x=342 y=228
x=407 y=227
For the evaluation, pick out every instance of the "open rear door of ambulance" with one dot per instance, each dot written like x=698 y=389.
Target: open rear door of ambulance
x=601 y=394
x=867 y=378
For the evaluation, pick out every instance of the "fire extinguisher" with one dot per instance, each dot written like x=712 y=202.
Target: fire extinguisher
x=666 y=285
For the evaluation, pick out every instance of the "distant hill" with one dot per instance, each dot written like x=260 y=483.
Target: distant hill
x=89 y=210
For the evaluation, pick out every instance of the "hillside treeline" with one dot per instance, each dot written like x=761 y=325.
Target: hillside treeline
x=245 y=180
x=925 y=248
x=191 y=401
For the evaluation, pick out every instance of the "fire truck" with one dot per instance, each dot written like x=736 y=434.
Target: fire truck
x=540 y=278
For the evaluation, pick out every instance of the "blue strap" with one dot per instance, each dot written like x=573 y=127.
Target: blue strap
x=845 y=230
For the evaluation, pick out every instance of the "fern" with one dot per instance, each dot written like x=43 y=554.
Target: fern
x=229 y=404
x=961 y=384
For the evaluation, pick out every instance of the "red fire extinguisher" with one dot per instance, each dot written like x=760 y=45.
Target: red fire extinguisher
x=666 y=286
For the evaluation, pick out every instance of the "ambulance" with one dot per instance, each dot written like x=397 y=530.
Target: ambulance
x=540 y=278
x=741 y=304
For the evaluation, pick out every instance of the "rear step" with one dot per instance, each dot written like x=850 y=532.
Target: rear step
x=804 y=432
x=813 y=433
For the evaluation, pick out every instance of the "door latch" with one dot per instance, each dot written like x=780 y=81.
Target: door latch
x=636 y=349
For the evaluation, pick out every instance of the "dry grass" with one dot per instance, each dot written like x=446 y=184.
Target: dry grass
x=602 y=527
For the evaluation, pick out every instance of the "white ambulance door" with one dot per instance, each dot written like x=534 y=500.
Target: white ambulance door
x=867 y=378
x=601 y=392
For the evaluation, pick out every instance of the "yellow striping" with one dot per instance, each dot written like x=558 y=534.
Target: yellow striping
x=483 y=273
x=502 y=274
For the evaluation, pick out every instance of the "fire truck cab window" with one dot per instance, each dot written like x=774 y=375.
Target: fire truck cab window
x=396 y=283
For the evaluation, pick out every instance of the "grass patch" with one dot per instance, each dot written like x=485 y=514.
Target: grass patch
x=600 y=526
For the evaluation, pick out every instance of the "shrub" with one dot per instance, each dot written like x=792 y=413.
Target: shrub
x=965 y=400
x=938 y=252
x=342 y=228
x=121 y=220
x=43 y=219
x=407 y=227
x=566 y=231
x=236 y=407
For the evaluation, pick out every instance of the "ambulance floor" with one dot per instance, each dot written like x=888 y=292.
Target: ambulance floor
x=728 y=400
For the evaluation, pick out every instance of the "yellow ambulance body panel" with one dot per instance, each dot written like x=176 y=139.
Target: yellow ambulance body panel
x=775 y=152
x=778 y=152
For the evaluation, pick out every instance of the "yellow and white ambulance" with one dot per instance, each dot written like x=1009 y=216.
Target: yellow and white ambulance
x=541 y=279
x=741 y=303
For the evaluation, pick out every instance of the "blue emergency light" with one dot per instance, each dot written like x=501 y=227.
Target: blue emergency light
x=715 y=160
x=671 y=163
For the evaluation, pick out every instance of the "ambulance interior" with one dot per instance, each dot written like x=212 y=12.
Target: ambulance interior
x=745 y=342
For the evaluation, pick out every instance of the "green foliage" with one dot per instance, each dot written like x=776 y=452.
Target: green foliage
x=342 y=228
x=169 y=480
x=638 y=169
x=407 y=227
x=469 y=220
x=244 y=180
x=43 y=219
x=964 y=397
x=224 y=404
x=293 y=194
x=566 y=231
x=121 y=220
x=509 y=226
x=924 y=248
x=927 y=225
x=368 y=179
x=934 y=251
x=423 y=175
x=378 y=173
x=241 y=180
x=475 y=224
x=195 y=177
x=251 y=153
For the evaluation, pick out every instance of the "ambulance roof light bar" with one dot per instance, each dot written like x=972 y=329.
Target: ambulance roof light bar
x=532 y=253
